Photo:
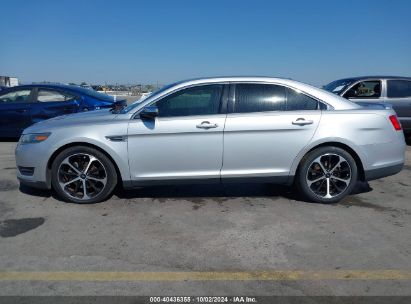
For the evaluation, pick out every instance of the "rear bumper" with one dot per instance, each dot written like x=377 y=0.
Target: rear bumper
x=382 y=172
x=383 y=159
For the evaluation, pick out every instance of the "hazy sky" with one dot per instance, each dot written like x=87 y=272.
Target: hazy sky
x=164 y=41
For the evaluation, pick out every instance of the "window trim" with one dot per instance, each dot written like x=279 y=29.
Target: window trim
x=231 y=99
x=392 y=79
x=222 y=106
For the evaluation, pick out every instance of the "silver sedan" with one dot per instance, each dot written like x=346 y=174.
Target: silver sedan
x=229 y=129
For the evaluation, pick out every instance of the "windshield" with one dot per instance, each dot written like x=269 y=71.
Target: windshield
x=137 y=102
x=338 y=86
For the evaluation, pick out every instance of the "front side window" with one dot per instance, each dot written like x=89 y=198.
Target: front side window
x=297 y=101
x=21 y=96
x=53 y=96
x=251 y=97
x=398 y=88
x=365 y=89
x=199 y=100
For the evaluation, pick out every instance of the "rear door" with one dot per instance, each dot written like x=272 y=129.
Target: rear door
x=14 y=111
x=50 y=103
x=399 y=96
x=266 y=127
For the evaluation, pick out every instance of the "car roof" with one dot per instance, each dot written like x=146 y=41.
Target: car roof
x=357 y=78
x=70 y=88
x=334 y=100
x=51 y=86
x=231 y=78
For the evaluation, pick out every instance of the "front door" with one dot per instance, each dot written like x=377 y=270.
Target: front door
x=185 y=140
x=14 y=112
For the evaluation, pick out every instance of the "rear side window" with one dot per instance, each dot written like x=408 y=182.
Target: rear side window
x=259 y=98
x=398 y=88
x=297 y=101
x=53 y=96
x=200 y=100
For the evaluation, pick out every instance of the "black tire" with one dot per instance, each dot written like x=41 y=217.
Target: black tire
x=102 y=162
x=304 y=176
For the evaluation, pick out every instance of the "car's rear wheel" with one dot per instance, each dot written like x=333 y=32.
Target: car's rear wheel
x=326 y=175
x=83 y=175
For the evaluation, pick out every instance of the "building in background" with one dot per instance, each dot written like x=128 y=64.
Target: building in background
x=6 y=81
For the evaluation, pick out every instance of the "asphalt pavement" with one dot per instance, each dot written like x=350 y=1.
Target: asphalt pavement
x=238 y=239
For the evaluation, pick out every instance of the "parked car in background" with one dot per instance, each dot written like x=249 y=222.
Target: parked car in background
x=393 y=90
x=265 y=129
x=24 y=105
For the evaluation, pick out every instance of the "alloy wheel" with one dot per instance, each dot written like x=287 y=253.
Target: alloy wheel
x=82 y=176
x=329 y=175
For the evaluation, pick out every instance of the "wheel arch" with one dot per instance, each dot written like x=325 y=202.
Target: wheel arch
x=350 y=150
x=83 y=144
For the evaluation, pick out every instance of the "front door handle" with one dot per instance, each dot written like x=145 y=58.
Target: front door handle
x=302 y=122
x=206 y=125
x=21 y=110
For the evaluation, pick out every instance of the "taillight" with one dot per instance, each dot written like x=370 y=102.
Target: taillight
x=395 y=123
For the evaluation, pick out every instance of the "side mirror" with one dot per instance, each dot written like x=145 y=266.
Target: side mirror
x=149 y=112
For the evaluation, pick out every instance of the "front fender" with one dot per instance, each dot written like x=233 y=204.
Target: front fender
x=116 y=150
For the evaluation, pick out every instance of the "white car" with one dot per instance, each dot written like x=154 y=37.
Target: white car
x=216 y=130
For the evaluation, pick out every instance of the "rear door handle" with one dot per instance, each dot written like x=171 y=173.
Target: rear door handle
x=206 y=125
x=302 y=122
x=21 y=110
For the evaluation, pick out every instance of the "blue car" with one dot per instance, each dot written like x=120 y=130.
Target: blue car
x=24 y=105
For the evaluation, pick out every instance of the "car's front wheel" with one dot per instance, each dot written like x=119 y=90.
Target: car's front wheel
x=326 y=175
x=83 y=175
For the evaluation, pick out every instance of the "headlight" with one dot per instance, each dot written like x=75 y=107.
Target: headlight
x=33 y=138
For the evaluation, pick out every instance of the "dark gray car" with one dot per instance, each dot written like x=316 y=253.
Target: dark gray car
x=392 y=90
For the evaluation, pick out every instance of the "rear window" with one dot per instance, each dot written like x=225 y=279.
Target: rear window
x=259 y=98
x=398 y=88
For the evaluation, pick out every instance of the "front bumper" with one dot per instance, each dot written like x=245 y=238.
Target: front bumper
x=33 y=156
x=33 y=184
